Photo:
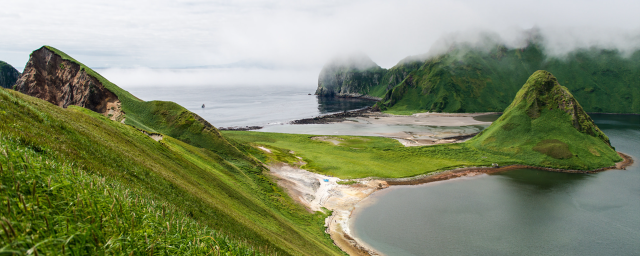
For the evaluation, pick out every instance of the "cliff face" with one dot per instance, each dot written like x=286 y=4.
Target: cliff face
x=350 y=77
x=8 y=75
x=47 y=76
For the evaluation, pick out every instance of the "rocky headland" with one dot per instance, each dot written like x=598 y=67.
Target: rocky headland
x=62 y=82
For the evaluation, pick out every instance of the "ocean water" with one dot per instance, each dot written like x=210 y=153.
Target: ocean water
x=520 y=212
x=227 y=106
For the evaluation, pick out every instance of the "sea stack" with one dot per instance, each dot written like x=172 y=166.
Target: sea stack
x=546 y=126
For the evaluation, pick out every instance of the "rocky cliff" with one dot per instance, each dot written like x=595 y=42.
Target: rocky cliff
x=8 y=75
x=349 y=77
x=50 y=77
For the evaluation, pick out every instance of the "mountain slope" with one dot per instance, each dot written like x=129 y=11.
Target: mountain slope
x=193 y=167
x=546 y=125
x=8 y=75
x=473 y=80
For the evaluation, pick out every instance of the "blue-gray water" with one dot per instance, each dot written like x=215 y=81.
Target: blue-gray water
x=520 y=212
x=249 y=105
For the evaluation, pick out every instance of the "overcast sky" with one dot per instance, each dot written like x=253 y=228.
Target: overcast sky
x=286 y=42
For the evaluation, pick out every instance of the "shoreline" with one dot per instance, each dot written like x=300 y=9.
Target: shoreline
x=357 y=246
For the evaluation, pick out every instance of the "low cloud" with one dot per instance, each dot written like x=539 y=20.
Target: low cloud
x=295 y=35
x=146 y=77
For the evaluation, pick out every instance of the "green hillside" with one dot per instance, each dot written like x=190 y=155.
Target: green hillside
x=209 y=182
x=469 y=79
x=545 y=124
x=472 y=80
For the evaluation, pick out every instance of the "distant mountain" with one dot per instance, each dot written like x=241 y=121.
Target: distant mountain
x=349 y=77
x=546 y=126
x=473 y=79
x=8 y=75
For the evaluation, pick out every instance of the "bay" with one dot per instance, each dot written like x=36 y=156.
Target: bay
x=520 y=212
x=227 y=106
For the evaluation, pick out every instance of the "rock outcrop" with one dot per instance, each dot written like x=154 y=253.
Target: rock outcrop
x=62 y=82
x=350 y=77
x=8 y=75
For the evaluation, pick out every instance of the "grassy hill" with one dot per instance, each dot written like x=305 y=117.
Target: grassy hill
x=545 y=124
x=218 y=194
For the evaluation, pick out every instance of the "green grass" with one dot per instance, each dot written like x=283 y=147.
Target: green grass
x=229 y=191
x=56 y=208
x=360 y=157
x=347 y=182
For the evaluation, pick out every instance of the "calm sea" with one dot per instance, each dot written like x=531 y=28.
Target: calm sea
x=520 y=212
x=248 y=106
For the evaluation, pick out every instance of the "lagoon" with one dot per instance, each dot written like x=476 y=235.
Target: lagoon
x=519 y=212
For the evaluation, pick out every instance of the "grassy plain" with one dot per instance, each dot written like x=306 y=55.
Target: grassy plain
x=360 y=157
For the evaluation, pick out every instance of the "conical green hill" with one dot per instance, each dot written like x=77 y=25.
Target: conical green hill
x=546 y=126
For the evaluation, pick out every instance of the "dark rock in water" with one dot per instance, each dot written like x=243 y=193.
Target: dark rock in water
x=242 y=128
x=50 y=77
x=8 y=75
x=333 y=118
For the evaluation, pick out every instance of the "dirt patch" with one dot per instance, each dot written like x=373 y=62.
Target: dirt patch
x=315 y=191
x=265 y=149
x=335 y=140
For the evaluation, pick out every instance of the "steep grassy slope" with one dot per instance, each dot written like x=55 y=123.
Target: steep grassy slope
x=200 y=172
x=545 y=124
x=55 y=208
x=471 y=80
x=8 y=75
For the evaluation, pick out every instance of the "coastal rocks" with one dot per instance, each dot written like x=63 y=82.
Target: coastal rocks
x=50 y=77
x=334 y=118
x=8 y=75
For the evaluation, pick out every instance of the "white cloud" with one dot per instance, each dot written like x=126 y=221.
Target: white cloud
x=146 y=77
x=292 y=34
